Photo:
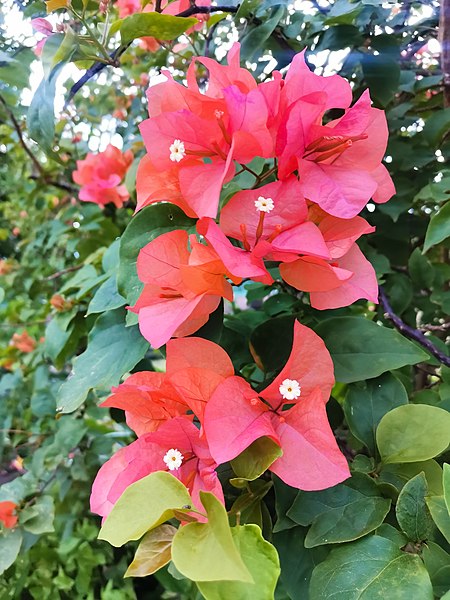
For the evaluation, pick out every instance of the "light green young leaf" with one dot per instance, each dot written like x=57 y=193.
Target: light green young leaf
x=144 y=505
x=206 y=551
x=260 y=558
x=440 y=514
x=446 y=484
x=10 y=542
x=256 y=459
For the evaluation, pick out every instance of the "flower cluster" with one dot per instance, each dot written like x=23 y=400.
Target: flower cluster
x=199 y=383
x=301 y=213
x=101 y=175
x=300 y=216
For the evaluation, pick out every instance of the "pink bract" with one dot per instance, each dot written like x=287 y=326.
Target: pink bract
x=100 y=176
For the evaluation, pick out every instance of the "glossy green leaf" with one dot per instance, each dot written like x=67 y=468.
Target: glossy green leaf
x=260 y=558
x=256 y=459
x=297 y=562
x=113 y=350
x=437 y=562
x=413 y=433
x=148 y=224
x=446 y=484
x=284 y=499
x=154 y=551
x=361 y=349
x=440 y=514
x=436 y=126
x=411 y=510
x=106 y=297
x=342 y=513
x=367 y=402
x=144 y=505
x=398 y=475
x=438 y=228
x=206 y=551
x=10 y=542
x=370 y=568
x=153 y=24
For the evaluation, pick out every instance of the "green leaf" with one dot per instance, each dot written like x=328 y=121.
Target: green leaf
x=162 y=27
x=148 y=224
x=297 y=562
x=260 y=558
x=256 y=459
x=144 y=505
x=370 y=568
x=10 y=542
x=106 y=297
x=438 y=227
x=437 y=562
x=413 y=433
x=440 y=514
x=446 y=484
x=284 y=499
x=258 y=36
x=382 y=74
x=342 y=513
x=41 y=114
x=113 y=349
x=399 y=474
x=411 y=510
x=367 y=402
x=38 y=518
x=361 y=349
x=206 y=551
x=436 y=126
x=420 y=269
x=153 y=552
x=343 y=12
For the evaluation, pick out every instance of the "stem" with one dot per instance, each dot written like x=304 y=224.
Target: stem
x=63 y=272
x=93 y=37
x=410 y=332
x=16 y=125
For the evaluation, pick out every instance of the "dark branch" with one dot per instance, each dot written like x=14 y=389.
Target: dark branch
x=410 y=332
x=16 y=126
x=117 y=53
x=444 y=38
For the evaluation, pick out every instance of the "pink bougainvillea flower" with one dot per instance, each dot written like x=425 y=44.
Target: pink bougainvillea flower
x=203 y=134
x=291 y=411
x=339 y=163
x=175 y=447
x=181 y=287
x=148 y=401
x=23 y=342
x=348 y=276
x=7 y=516
x=42 y=26
x=128 y=7
x=194 y=368
x=100 y=176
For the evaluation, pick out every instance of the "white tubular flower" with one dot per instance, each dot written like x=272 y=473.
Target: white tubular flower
x=177 y=151
x=290 y=389
x=173 y=459
x=264 y=204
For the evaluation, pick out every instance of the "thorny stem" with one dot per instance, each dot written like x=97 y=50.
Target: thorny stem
x=410 y=332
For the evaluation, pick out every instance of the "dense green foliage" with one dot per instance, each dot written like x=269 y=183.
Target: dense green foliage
x=69 y=271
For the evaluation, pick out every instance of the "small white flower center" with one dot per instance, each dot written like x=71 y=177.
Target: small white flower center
x=173 y=459
x=218 y=113
x=177 y=151
x=264 y=204
x=290 y=389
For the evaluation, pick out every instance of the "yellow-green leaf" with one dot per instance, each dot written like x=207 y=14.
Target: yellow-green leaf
x=56 y=4
x=143 y=506
x=206 y=551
